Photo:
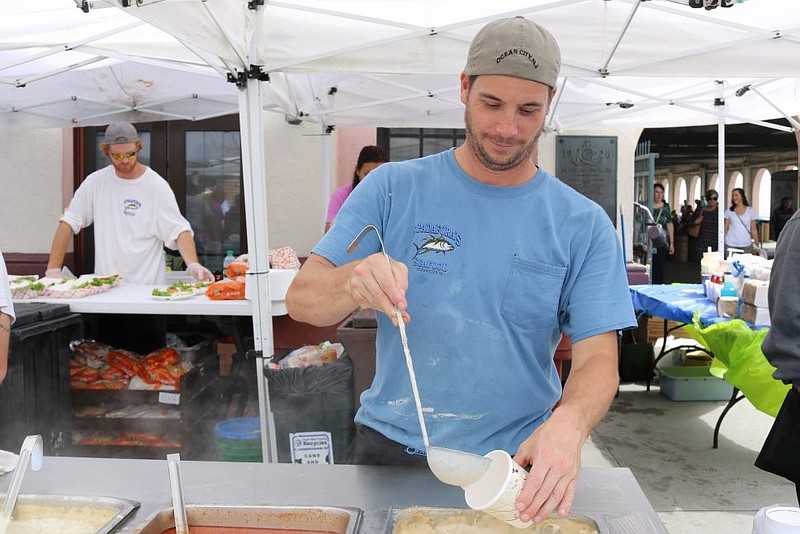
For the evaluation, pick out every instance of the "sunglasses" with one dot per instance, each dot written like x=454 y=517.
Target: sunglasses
x=713 y=198
x=119 y=156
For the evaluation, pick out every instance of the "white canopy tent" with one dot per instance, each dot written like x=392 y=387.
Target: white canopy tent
x=387 y=62
x=393 y=63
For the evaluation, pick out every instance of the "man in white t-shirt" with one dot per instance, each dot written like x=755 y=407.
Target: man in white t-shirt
x=135 y=215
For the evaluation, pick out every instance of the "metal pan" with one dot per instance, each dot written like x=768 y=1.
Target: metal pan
x=118 y=509
x=396 y=516
x=338 y=519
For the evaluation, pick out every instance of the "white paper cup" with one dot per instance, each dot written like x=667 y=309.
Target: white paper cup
x=777 y=519
x=496 y=491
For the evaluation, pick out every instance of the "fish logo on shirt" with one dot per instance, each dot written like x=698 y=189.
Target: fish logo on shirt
x=434 y=244
x=130 y=206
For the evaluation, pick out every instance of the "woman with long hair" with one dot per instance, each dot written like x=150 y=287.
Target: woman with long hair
x=740 y=224
x=662 y=213
x=369 y=159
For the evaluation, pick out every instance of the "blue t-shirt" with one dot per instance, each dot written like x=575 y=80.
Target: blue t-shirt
x=495 y=275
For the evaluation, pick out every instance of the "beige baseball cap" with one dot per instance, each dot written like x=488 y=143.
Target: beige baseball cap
x=120 y=133
x=515 y=47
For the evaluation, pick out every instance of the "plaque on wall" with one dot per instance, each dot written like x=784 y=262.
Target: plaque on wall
x=589 y=165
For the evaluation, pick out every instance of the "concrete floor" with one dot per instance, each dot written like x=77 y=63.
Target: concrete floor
x=694 y=488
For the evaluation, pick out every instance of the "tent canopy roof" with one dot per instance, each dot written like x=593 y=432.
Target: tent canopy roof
x=389 y=62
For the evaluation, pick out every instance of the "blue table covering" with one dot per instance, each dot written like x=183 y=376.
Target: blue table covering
x=676 y=302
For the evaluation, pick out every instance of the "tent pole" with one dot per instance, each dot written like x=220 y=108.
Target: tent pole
x=720 y=103
x=251 y=126
x=254 y=170
x=792 y=120
x=326 y=173
x=604 y=69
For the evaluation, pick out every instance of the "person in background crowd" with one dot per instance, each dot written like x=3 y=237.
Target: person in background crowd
x=6 y=318
x=662 y=214
x=779 y=217
x=685 y=215
x=781 y=347
x=214 y=225
x=676 y=222
x=494 y=258
x=706 y=216
x=740 y=224
x=135 y=215
x=369 y=159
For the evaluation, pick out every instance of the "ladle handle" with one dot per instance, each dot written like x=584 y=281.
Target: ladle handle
x=413 y=376
x=402 y=326
x=31 y=450
x=14 y=486
x=176 y=487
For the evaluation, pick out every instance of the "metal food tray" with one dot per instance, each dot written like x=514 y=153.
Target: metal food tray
x=396 y=515
x=338 y=519
x=123 y=507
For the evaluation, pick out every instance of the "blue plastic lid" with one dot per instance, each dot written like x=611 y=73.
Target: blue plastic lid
x=239 y=428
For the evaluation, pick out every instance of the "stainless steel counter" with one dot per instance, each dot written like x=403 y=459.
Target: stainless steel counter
x=611 y=496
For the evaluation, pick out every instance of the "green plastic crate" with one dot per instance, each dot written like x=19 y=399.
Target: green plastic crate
x=693 y=383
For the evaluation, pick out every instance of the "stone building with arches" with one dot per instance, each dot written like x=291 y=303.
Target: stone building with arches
x=687 y=164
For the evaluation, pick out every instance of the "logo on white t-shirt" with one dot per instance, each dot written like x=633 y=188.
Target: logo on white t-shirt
x=131 y=206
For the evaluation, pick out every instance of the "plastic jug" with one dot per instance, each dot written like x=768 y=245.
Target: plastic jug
x=728 y=301
x=728 y=287
x=227 y=261
x=710 y=262
x=741 y=282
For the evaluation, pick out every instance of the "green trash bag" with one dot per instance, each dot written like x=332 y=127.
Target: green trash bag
x=738 y=359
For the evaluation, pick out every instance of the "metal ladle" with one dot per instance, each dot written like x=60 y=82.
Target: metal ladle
x=30 y=453
x=457 y=468
x=176 y=489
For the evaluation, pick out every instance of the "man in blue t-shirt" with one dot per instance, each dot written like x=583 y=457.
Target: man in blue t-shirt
x=492 y=259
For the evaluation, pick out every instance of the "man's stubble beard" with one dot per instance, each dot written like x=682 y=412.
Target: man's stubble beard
x=474 y=140
x=125 y=167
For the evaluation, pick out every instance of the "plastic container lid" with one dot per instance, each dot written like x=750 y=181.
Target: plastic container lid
x=240 y=428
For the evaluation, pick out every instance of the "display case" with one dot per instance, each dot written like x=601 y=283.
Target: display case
x=149 y=424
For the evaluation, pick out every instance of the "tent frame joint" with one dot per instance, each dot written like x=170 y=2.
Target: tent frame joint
x=255 y=72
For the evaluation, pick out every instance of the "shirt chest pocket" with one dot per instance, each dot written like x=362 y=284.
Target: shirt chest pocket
x=532 y=294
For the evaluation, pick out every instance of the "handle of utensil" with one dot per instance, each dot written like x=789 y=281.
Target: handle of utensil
x=29 y=453
x=402 y=326
x=412 y=375
x=14 y=486
x=176 y=487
